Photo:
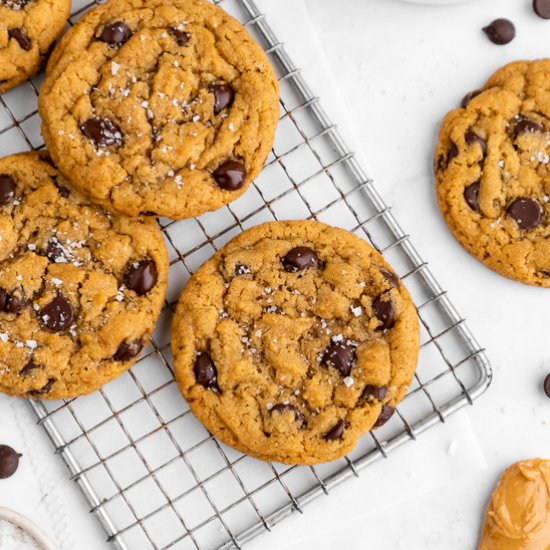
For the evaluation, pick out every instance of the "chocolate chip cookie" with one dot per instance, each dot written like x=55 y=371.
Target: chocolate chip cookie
x=28 y=28
x=492 y=173
x=157 y=106
x=80 y=290
x=293 y=341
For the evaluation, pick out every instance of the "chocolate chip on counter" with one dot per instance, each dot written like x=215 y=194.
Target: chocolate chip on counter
x=385 y=312
x=58 y=315
x=542 y=8
x=205 y=371
x=102 y=132
x=341 y=356
x=230 y=175
x=223 y=96
x=287 y=407
x=373 y=393
x=128 y=350
x=44 y=389
x=391 y=277
x=525 y=125
x=468 y=97
x=471 y=138
x=7 y=189
x=337 y=431
x=181 y=37
x=9 y=461
x=298 y=258
x=470 y=195
x=21 y=36
x=526 y=212
x=29 y=367
x=547 y=386
x=385 y=414
x=115 y=34
x=500 y=31
x=141 y=276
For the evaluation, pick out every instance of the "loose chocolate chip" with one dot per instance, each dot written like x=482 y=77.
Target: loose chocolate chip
x=3 y=299
x=102 y=132
x=223 y=96
x=337 y=431
x=385 y=312
x=391 y=277
x=58 y=315
x=7 y=189
x=385 y=414
x=21 y=36
x=205 y=371
x=500 y=31
x=298 y=258
x=286 y=407
x=55 y=251
x=15 y=304
x=341 y=356
x=128 y=350
x=141 y=276
x=115 y=34
x=43 y=389
x=542 y=8
x=470 y=195
x=373 y=393
x=9 y=461
x=471 y=138
x=525 y=125
x=547 y=386
x=230 y=175
x=468 y=97
x=29 y=367
x=453 y=152
x=527 y=213
x=181 y=37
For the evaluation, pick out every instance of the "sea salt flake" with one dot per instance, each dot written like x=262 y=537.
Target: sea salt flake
x=231 y=126
x=31 y=344
x=31 y=246
x=337 y=338
x=348 y=381
x=56 y=281
x=115 y=67
x=357 y=311
x=4 y=337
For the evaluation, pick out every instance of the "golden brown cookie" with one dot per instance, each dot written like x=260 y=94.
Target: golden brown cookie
x=293 y=341
x=28 y=28
x=80 y=289
x=492 y=174
x=518 y=515
x=157 y=106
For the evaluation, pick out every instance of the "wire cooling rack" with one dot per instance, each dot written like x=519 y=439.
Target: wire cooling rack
x=153 y=476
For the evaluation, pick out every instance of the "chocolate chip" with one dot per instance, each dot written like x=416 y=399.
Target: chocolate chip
x=527 y=213
x=286 y=407
x=128 y=350
x=63 y=191
x=205 y=371
x=7 y=189
x=385 y=414
x=9 y=461
x=181 y=37
x=453 y=152
x=391 y=277
x=470 y=195
x=500 y=31
x=298 y=258
x=230 y=175
x=341 y=356
x=385 y=312
x=373 y=393
x=15 y=5
x=21 y=36
x=29 y=367
x=3 y=299
x=15 y=304
x=547 y=386
x=468 y=97
x=223 y=96
x=58 y=315
x=471 y=138
x=141 y=276
x=525 y=125
x=102 y=132
x=55 y=251
x=337 y=431
x=115 y=34
x=542 y=8
x=43 y=389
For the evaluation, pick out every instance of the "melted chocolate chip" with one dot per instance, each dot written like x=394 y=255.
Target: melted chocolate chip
x=470 y=195
x=128 y=350
x=230 y=175
x=385 y=414
x=500 y=31
x=547 y=386
x=299 y=258
x=337 y=431
x=115 y=34
x=527 y=213
x=468 y=97
x=542 y=8
x=471 y=138
x=373 y=393
x=3 y=299
x=55 y=251
x=29 y=367
x=385 y=313
x=525 y=125
x=453 y=152
x=141 y=276
x=341 y=356
x=205 y=371
x=102 y=132
x=287 y=407
x=9 y=461
x=21 y=36
x=15 y=304
x=391 y=277
x=7 y=189
x=181 y=37
x=44 y=389
x=223 y=96
x=58 y=315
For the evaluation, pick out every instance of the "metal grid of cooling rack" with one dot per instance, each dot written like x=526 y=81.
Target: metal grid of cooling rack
x=151 y=473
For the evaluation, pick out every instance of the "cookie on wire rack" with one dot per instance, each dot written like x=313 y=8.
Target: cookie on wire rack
x=160 y=107
x=293 y=341
x=80 y=289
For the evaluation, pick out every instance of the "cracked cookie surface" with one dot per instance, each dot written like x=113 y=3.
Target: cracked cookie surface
x=293 y=341
x=28 y=28
x=80 y=289
x=492 y=172
x=160 y=107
